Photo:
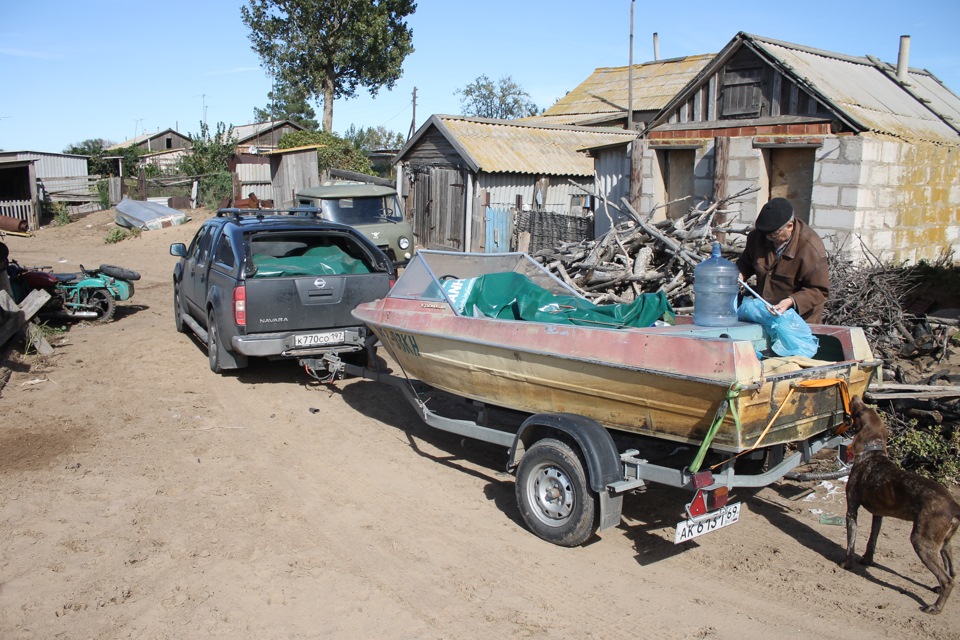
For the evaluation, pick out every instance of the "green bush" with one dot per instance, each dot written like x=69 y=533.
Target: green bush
x=334 y=152
x=119 y=235
x=932 y=452
x=103 y=193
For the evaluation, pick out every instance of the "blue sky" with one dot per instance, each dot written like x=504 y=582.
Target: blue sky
x=112 y=69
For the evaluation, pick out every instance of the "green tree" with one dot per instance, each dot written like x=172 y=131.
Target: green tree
x=209 y=158
x=329 y=48
x=288 y=102
x=103 y=161
x=505 y=100
x=374 y=138
x=334 y=152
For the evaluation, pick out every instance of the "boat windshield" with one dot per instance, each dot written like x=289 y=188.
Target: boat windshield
x=421 y=278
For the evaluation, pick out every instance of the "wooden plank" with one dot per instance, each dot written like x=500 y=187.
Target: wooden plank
x=27 y=309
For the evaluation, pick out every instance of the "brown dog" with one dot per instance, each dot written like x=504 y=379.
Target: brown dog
x=883 y=489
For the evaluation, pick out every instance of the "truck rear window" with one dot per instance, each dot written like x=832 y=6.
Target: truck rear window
x=275 y=256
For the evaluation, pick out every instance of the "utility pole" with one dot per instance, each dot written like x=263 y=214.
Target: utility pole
x=413 y=122
x=630 y=75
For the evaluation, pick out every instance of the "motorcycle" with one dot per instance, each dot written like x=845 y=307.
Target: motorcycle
x=90 y=294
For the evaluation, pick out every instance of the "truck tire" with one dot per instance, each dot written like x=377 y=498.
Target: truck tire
x=214 y=348
x=177 y=310
x=554 y=496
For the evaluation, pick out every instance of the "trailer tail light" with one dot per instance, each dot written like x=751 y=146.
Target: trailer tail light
x=393 y=281
x=708 y=500
x=240 y=306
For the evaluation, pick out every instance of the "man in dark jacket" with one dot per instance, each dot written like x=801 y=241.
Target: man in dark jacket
x=789 y=260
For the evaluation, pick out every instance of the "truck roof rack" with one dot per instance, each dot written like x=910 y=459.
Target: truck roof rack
x=302 y=211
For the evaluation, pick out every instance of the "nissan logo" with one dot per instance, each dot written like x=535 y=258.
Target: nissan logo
x=320 y=283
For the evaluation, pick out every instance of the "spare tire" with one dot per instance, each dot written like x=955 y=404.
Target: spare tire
x=119 y=272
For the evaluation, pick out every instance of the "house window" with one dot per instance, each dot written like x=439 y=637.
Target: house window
x=579 y=201
x=169 y=143
x=741 y=97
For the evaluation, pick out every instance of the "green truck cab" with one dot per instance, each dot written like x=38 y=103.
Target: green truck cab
x=372 y=209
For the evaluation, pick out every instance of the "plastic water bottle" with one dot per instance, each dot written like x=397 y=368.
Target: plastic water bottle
x=715 y=288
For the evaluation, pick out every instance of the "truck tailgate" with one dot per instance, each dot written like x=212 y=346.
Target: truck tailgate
x=309 y=302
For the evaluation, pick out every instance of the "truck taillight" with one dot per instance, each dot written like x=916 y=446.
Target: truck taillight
x=240 y=306
x=393 y=281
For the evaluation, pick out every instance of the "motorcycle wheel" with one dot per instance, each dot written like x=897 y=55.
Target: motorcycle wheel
x=119 y=272
x=103 y=303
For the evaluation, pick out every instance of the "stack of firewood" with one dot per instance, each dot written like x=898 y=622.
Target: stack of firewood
x=640 y=256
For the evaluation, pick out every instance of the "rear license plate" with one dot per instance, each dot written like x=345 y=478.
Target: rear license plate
x=707 y=523
x=319 y=339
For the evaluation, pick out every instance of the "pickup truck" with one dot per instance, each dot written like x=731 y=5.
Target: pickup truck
x=276 y=284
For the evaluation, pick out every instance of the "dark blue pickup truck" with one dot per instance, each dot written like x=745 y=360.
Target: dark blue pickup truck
x=276 y=284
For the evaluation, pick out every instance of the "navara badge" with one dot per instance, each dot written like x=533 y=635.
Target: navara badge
x=320 y=283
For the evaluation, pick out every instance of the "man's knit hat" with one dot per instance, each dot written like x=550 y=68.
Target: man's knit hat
x=774 y=215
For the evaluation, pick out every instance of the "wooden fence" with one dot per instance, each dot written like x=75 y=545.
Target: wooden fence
x=21 y=210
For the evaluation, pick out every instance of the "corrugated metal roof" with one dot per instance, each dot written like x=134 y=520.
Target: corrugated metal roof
x=860 y=89
x=607 y=89
x=509 y=147
x=143 y=138
x=246 y=131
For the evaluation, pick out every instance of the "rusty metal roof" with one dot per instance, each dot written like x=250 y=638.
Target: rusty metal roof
x=867 y=91
x=606 y=91
x=509 y=146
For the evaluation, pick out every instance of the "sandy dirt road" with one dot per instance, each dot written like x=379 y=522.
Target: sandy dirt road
x=142 y=496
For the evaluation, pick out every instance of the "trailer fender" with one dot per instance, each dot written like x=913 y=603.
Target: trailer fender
x=595 y=444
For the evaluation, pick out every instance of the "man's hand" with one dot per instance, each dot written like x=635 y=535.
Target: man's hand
x=782 y=306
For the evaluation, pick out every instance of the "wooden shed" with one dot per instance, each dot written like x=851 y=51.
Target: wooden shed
x=27 y=178
x=292 y=170
x=466 y=180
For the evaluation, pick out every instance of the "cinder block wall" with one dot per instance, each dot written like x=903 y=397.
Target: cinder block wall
x=899 y=200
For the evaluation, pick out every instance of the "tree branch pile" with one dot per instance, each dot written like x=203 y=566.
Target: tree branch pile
x=640 y=256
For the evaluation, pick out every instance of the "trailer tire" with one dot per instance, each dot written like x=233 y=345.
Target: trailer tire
x=553 y=494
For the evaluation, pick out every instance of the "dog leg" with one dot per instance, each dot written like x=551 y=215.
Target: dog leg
x=933 y=560
x=852 y=508
x=867 y=558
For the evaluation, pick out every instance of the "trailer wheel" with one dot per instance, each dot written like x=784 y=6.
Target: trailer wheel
x=554 y=497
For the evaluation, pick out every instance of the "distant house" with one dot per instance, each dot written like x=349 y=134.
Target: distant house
x=604 y=98
x=868 y=152
x=165 y=140
x=262 y=136
x=466 y=179
x=27 y=178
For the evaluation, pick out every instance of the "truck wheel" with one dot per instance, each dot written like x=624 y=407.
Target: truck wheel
x=553 y=495
x=213 y=343
x=102 y=301
x=177 y=309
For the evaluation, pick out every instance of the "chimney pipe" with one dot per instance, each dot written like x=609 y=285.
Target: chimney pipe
x=656 y=46
x=903 y=59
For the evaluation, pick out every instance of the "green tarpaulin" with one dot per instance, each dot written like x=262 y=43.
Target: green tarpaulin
x=512 y=296
x=318 y=261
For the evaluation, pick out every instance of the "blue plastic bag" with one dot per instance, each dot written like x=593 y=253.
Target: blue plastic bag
x=789 y=335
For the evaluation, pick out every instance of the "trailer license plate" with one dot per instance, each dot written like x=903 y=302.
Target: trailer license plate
x=707 y=523
x=319 y=339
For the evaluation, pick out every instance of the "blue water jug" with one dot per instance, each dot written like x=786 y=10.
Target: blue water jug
x=715 y=288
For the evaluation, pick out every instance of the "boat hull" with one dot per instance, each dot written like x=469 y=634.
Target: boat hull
x=666 y=382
